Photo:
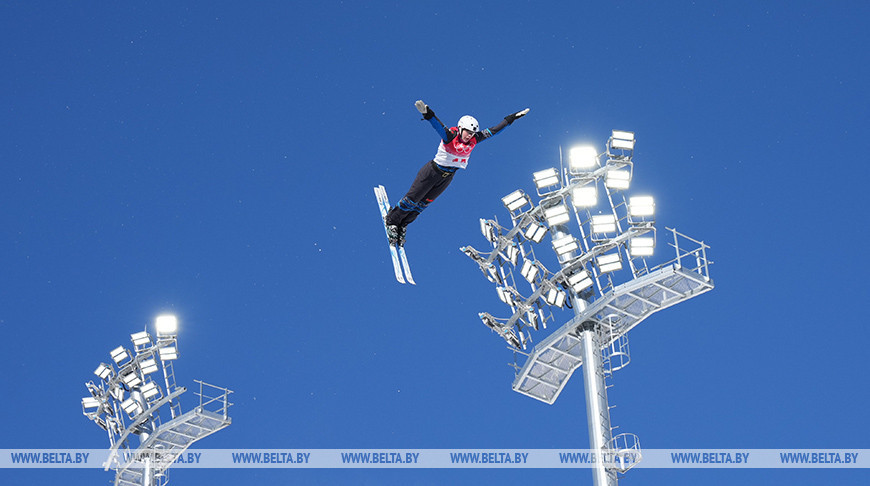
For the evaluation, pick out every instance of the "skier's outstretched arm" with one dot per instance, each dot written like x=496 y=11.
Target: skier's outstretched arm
x=489 y=132
x=429 y=115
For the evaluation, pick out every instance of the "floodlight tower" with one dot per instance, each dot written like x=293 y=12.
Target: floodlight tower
x=127 y=401
x=602 y=275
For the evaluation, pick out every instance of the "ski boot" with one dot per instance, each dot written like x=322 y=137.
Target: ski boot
x=393 y=233
x=400 y=239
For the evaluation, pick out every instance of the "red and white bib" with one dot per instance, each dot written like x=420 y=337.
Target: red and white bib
x=455 y=153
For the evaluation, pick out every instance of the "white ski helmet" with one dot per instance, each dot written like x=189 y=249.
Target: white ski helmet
x=468 y=122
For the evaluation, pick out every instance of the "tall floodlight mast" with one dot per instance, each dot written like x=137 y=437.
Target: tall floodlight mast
x=131 y=401
x=602 y=239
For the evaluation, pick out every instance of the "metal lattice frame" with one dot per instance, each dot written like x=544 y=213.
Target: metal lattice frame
x=610 y=287
x=554 y=359
x=131 y=407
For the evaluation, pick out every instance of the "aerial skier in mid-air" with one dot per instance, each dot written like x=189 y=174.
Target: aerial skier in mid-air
x=435 y=175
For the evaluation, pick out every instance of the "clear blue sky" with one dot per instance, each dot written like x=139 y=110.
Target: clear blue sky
x=217 y=159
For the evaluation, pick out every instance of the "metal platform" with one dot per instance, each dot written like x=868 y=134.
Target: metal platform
x=553 y=360
x=163 y=447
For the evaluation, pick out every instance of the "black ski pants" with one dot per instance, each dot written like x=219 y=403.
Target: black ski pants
x=430 y=182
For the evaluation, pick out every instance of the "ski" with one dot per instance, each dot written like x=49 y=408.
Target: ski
x=405 y=265
x=395 y=252
x=397 y=267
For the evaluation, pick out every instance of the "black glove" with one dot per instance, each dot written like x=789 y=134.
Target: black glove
x=513 y=116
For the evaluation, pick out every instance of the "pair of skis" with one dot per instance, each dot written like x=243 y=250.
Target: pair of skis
x=400 y=260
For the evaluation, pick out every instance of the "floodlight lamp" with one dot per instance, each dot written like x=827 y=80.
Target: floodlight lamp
x=641 y=206
x=90 y=402
x=492 y=275
x=622 y=140
x=617 y=179
x=546 y=178
x=131 y=379
x=119 y=354
x=603 y=223
x=557 y=215
x=505 y=295
x=511 y=337
x=584 y=197
x=140 y=338
x=489 y=320
x=104 y=371
x=150 y=390
x=609 y=263
x=642 y=246
x=167 y=325
x=532 y=318
x=512 y=252
x=472 y=253
x=535 y=232
x=168 y=353
x=565 y=245
x=131 y=406
x=487 y=230
x=515 y=200
x=556 y=297
x=581 y=159
x=579 y=281
x=148 y=366
x=529 y=271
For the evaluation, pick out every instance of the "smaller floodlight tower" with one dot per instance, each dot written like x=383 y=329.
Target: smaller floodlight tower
x=601 y=239
x=140 y=410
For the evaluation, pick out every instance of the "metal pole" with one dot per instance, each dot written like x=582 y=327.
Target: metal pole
x=597 y=409
x=147 y=479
